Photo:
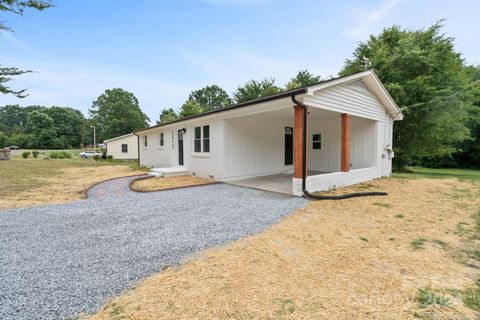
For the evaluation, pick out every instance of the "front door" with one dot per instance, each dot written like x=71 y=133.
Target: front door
x=288 y=146
x=180 y=147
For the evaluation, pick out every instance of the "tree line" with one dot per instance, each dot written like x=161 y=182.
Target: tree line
x=214 y=97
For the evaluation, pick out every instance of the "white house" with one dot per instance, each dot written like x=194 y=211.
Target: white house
x=123 y=148
x=344 y=123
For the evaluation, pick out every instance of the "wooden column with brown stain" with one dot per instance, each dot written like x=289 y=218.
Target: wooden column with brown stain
x=298 y=142
x=345 y=149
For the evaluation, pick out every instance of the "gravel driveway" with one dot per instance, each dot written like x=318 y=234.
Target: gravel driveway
x=58 y=261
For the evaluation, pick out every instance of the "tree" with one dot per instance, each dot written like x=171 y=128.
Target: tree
x=302 y=79
x=16 y=7
x=190 y=108
x=210 y=97
x=420 y=69
x=468 y=154
x=40 y=127
x=167 y=115
x=255 y=89
x=116 y=112
x=69 y=124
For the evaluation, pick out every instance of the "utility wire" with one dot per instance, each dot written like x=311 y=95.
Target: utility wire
x=441 y=98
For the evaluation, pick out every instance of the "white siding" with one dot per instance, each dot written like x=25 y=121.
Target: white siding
x=354 y=99
x=254 y=146
x=114 y=148
x=327 y=159
x=203 y=165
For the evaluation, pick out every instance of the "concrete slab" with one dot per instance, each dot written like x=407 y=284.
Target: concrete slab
x=281 y=183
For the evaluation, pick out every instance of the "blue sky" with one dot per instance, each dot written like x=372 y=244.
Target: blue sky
x=161 y=50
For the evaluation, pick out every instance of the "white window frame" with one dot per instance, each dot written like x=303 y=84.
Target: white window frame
x=202 y=140
x=145 y=141
x=121 y=147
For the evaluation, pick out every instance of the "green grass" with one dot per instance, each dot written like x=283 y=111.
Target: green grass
x=364 y=239
x=400 y=216
x=420 y=172
x=418 y=243
x=426 y=297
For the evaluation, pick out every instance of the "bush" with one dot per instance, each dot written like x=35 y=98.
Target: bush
x=60 y=155
x=109 y=157
x=96 y=158
x=35 y=154
x=25 y=154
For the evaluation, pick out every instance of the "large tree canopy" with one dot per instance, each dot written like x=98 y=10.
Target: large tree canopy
x=41 y=127
x=420 y=69
x=254 y=89
x=302 y=78
x=116 y=112
x=16 y=7
x=190 y=108
x=210 y=98
x=167 y=115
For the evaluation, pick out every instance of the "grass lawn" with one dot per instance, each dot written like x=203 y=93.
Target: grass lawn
x=414 y=254
x=419 y=172
x=27 y=182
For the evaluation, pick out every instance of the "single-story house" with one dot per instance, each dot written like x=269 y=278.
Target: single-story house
x=334 y=133
x=123 y=148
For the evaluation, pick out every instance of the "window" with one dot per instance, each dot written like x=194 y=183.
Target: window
x=160 y=139
x=145 y=141
x=206 y=138
x=124 y=148
x=317 y=141
x=201 y=139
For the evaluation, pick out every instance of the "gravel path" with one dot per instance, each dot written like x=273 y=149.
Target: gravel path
x=58 y=261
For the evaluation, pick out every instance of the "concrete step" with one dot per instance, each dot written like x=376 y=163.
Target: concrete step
x=170 y=172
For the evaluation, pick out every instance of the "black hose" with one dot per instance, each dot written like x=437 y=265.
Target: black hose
x=304 y=167
x=343 y=196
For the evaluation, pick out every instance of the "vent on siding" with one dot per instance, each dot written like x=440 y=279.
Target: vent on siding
x=359 y=85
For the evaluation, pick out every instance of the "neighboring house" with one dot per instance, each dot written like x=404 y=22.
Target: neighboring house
x=123 y=147
x=260 y=143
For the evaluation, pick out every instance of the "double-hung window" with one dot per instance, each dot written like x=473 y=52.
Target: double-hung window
x=316 y=141
x=124 y=148
x=160 y=139
x=201 y=139
x=145 y=141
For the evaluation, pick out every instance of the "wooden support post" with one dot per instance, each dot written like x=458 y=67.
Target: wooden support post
x=298 y=142
x=345 y=149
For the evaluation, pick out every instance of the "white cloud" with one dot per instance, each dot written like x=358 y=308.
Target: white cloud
x=368 y=20
x=8 y=36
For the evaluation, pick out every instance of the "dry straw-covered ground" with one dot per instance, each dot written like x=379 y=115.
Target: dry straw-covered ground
x=30 y=182
x=161 y=183
x=362 y=258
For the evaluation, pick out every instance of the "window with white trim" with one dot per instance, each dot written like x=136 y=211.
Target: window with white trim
x=201 y=139
x=124 y=148
x=160 y=139
x=145 y=141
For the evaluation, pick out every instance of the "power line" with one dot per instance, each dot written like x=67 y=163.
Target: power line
x=441 y=98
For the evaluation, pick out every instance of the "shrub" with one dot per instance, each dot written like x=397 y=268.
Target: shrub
x=60 y=155
x=96 y=158
x=35 y=154
x=25 y=154
x=109 y=157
